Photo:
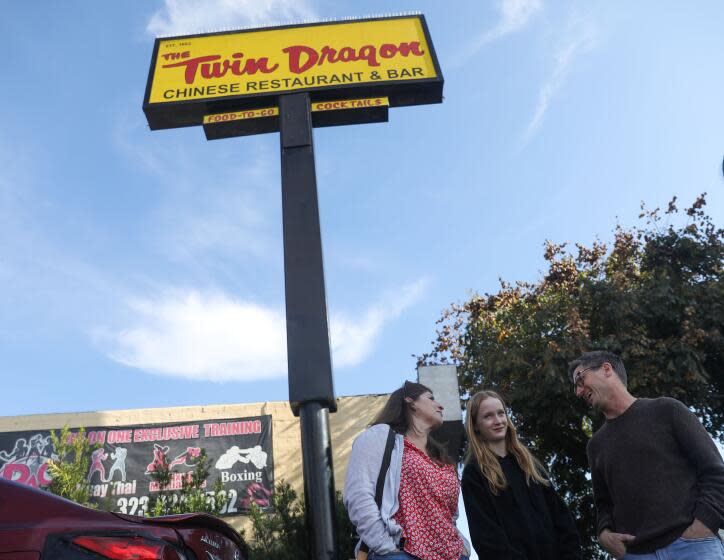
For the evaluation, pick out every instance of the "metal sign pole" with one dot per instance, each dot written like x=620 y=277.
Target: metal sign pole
x=201 y=80
x=311 y=390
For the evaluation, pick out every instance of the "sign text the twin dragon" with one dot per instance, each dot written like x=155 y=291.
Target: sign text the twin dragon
x=193 y=77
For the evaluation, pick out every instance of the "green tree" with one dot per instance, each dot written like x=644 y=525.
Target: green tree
x=282 y=533
x=192 y=496
x=346 y=531
x=69 y=468
x=655 y=297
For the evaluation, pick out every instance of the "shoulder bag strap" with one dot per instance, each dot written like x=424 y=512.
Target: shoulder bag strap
x=385 y=467
x=386 y=458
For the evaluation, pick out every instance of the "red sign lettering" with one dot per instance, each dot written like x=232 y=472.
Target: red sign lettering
x=219 y=69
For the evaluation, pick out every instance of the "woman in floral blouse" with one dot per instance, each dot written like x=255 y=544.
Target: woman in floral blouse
x=416 y=519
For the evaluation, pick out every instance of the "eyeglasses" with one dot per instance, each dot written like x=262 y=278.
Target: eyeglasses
x=578 y=377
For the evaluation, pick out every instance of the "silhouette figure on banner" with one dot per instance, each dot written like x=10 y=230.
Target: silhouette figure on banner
x=254 y=455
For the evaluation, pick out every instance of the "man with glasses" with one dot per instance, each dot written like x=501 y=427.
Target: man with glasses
x=658 y=478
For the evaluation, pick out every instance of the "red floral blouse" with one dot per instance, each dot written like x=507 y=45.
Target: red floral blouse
x=428 y=502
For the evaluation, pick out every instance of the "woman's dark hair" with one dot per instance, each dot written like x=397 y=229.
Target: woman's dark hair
x=397 y=414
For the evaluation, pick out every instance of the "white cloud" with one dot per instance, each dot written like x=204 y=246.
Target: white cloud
x=580 y=41
x=203 y=336
x=514 y=16
x=217 y=338
x=353 y=339
x=182 y=17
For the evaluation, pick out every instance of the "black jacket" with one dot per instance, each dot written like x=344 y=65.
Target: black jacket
x=523 y=522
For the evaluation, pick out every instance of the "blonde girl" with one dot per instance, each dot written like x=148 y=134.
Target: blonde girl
x=513 y=511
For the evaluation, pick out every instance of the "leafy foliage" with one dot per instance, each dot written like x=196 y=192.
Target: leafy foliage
x=282 y=533
x=346 y=531
x=192 y=497
x=655 y=297
x=69 y=468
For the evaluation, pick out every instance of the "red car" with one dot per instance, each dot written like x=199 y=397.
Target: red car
x=37 y=525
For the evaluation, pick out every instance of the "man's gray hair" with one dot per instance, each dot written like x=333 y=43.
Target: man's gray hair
x=596 y=359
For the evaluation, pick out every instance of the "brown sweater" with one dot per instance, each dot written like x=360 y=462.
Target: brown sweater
x=654 y=469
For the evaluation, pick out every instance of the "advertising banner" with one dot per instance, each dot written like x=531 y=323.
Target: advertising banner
x=193 y=76
x=120 y=470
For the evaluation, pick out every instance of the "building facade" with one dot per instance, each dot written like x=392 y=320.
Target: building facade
x=251 y=446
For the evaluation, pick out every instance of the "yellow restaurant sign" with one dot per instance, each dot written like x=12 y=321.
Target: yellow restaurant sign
x=391 y=57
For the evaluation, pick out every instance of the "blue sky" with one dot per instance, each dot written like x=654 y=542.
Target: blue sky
x=144 y=269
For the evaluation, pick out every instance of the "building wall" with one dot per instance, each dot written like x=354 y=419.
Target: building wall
x=352 y=416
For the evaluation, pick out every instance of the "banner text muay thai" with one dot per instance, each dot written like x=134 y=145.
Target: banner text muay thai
x=120 y=469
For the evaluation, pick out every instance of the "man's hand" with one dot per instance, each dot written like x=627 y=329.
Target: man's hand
x=697 y=530
x=615 y=543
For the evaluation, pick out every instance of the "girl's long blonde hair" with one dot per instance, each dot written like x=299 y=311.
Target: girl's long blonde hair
x=480 y=452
